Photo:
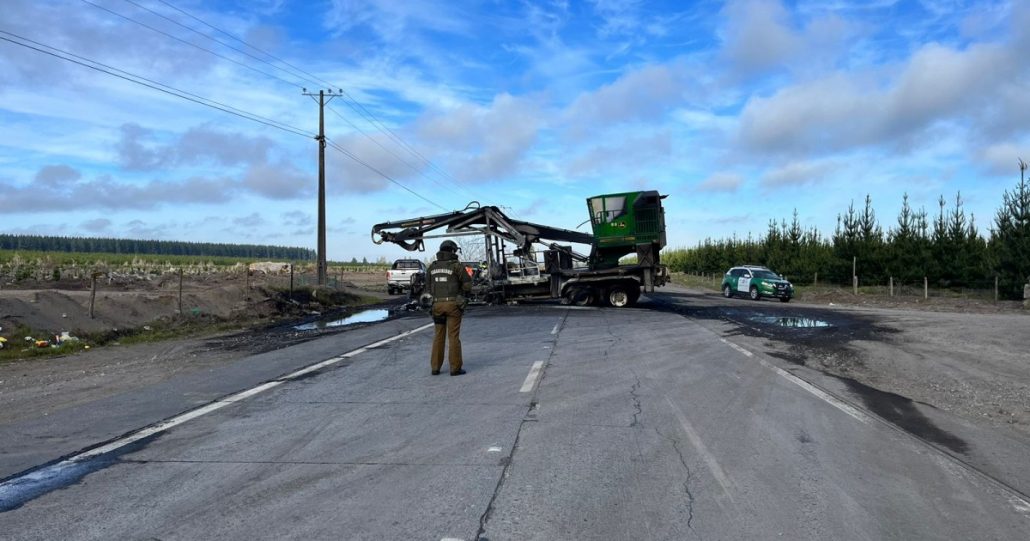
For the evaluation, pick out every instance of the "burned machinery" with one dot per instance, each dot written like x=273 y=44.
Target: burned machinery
x=525 y=260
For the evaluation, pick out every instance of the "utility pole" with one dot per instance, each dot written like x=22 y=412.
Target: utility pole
x=322 y=95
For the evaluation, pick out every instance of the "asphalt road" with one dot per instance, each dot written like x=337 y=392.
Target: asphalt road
x=571 y=423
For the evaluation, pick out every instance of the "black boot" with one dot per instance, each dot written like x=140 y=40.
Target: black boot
x=458 y=372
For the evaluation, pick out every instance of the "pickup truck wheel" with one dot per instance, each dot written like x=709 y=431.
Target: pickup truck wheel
x=617 y=296
x=753 y=293
x=727 y=292
x=784 y=299
x=390 y=290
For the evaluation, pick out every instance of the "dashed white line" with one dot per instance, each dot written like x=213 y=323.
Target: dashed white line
x=531 y=378
x=556 y=326
x=819 y=393
x=203 y=410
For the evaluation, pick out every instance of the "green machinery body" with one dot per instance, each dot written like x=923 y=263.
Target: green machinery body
x=626 y=223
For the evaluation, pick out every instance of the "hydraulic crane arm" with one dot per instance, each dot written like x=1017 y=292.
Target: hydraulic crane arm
x=410 y=234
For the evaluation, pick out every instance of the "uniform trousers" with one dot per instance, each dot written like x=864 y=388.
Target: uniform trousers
x=447 y=319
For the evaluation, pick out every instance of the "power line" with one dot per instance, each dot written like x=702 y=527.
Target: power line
x=354 y=104
x=143 y=81
x=194 y=45
x=391 y=152
x=351 y=155
x=199 y=33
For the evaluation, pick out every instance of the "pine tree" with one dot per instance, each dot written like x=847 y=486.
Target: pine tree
x=1010 y=239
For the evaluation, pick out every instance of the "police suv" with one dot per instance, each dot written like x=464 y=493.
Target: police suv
x=756 y=282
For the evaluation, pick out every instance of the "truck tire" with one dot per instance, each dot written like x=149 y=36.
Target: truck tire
x=581 y=296
x=753 y=293
x=617 y=296
x=390 y=290
x=784 y=299
x=727 y=292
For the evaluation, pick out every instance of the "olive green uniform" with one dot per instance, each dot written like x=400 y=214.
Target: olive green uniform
x=449 y=284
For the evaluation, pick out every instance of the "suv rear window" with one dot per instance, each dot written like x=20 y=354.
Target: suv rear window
x=406 y=264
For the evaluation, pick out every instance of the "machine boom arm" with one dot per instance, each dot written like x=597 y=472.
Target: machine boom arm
x=410 y=234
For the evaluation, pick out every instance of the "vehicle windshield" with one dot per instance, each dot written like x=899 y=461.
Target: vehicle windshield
x=765 y=274
x=406 y=264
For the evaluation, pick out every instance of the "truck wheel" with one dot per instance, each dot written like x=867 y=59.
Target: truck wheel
x=727 y=292
x=581 y=296
x=754 y=293
x=784 y=299
x=617 y=296
x=390 y=290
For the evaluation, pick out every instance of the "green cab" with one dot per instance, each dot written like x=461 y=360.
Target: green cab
x=756 y=282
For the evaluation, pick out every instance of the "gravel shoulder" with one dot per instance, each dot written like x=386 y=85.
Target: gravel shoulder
x=968 y=360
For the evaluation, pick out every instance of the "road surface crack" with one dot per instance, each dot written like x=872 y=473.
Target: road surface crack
x=686 y=483
x=638 y=409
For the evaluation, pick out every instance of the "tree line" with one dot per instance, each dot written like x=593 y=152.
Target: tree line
x=944 y=247
x=41 y=243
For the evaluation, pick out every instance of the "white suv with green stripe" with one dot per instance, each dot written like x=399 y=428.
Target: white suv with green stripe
x=756 y=282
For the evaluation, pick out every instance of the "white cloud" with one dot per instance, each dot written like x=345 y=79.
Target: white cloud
x=843 y=111
x=721 y=182
x=630 y=153
x=758 y=35
x=1002 y=159
x=797 y=174
x=646 y=93
x=481 y=143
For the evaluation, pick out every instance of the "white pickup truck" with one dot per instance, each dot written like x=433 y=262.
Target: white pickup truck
x=398 y=278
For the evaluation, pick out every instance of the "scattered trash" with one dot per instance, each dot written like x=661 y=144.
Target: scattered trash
x=85 y=347
x=2 y=341
x=29 y=339
x=42 y=343
x=64 y=315
x=65 y=336
x=147 y=328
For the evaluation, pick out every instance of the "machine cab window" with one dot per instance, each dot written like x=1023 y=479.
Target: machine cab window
x=606 y=209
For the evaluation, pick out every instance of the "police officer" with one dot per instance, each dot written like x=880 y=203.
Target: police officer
x=449 y=284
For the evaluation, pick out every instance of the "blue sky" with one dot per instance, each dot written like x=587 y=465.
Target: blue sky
x=740 y=111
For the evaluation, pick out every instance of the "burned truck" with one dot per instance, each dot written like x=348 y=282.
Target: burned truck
x=525 y=261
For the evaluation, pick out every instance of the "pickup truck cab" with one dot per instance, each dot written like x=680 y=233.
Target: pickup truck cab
x=398 y=278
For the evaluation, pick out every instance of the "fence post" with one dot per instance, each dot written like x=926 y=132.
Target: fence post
x=995 y=288
x=816 y=281
x=926 y=289
x=892 y=286
x=291 y=281
x=180 y=290
x=92 y=293
x=854 y=284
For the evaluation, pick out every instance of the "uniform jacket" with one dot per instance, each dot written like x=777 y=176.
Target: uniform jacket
x=447 y=277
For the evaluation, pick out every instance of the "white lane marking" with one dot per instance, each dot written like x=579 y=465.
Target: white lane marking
x=556 y=325
x=494 y=450
x=1022 y=506
x=452 y=539
x=531 y=378
x=253 y=391
x=706 y=456
x=818 y=393
x=190 y=415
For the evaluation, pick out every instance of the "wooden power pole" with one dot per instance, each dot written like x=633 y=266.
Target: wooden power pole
x=322 y=101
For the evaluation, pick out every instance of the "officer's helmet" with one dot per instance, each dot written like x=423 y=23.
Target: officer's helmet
x=449 y=246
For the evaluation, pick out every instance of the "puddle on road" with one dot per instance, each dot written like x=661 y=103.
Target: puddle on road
x=368 y=316
x=794 y=322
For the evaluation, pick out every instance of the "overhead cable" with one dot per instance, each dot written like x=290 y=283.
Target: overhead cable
x=143 y=81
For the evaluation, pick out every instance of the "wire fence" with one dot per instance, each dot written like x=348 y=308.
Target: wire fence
x=984 y=289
